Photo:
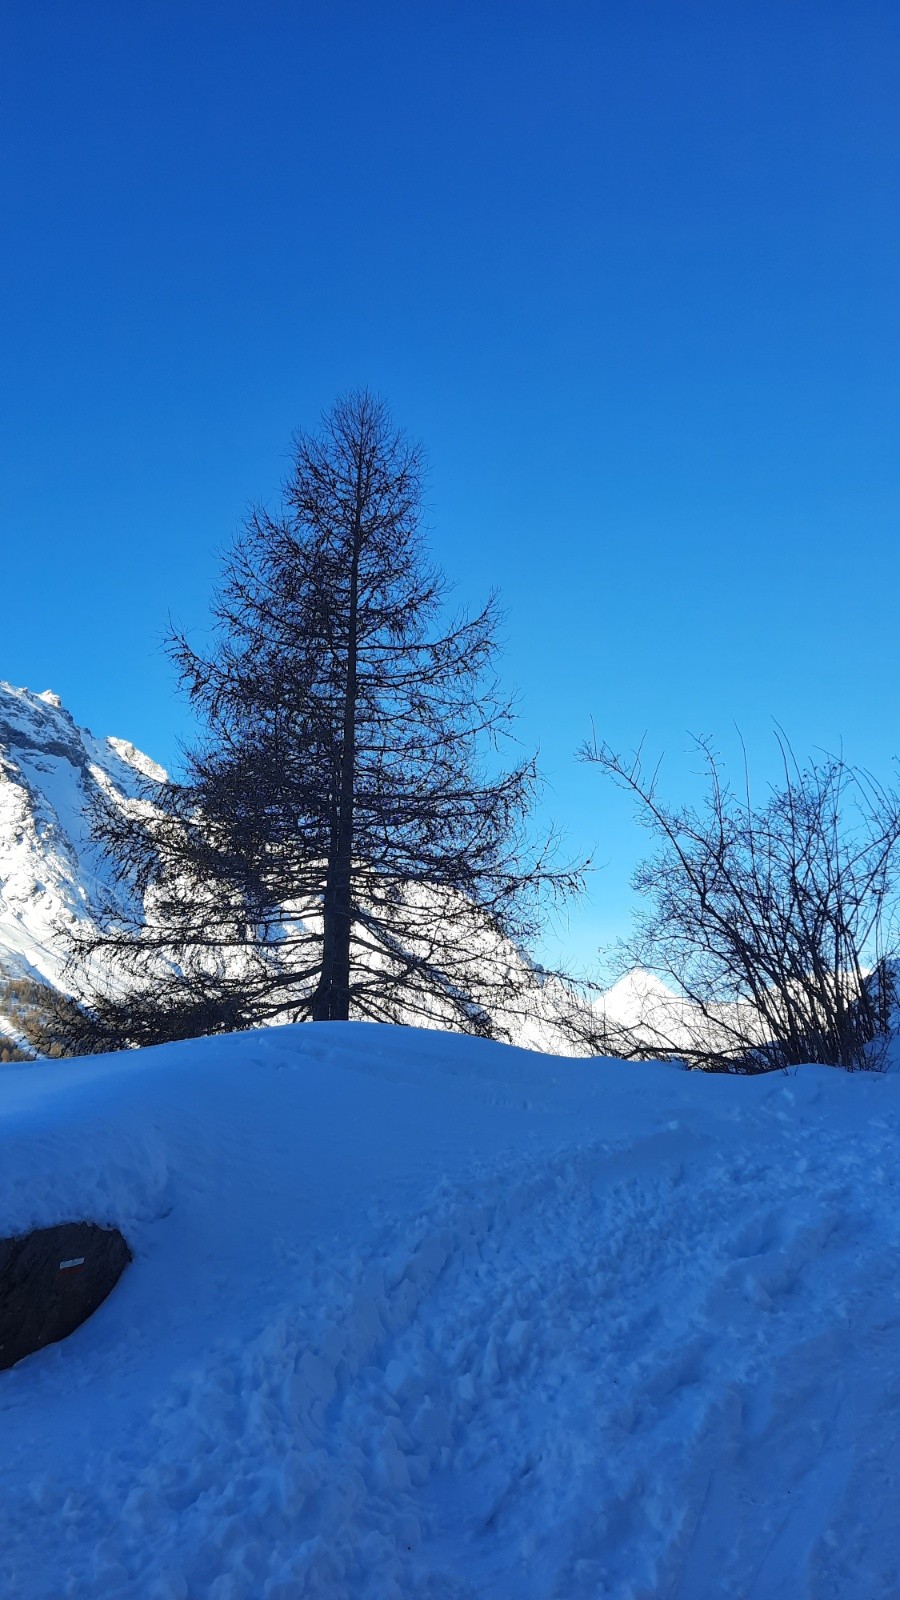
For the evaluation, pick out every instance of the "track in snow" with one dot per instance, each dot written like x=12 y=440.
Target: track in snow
x=666 y=1365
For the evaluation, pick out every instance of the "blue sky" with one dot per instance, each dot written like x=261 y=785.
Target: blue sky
x=629 y=270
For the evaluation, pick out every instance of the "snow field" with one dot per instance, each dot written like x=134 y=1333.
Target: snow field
x=412 y=1315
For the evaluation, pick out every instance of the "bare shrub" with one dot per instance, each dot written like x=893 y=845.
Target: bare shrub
x=774 y=923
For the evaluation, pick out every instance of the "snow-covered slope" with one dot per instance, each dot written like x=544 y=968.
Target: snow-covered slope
x=414 y=1315
x=49 y=874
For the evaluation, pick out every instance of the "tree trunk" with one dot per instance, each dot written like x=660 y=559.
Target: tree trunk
x=320 y=1010
x=331 y=1002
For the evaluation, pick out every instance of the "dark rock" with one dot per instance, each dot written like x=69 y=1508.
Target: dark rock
x=51 y=1280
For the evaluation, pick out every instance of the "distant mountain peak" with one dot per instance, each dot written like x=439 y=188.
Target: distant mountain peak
x=50 y=873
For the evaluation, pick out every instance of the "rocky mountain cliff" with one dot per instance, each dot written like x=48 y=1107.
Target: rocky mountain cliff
x=50 y=875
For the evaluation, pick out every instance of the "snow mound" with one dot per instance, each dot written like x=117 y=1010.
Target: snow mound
x=416 y=1315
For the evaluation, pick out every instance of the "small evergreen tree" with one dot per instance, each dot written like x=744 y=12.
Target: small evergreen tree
x=344 y=843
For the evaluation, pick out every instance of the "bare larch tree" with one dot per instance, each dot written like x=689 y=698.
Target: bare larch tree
x=345 y=841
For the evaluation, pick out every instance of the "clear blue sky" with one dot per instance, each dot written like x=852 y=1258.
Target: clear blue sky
x=630 y=270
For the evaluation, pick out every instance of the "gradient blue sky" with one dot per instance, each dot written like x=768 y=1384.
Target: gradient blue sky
x=630 y=270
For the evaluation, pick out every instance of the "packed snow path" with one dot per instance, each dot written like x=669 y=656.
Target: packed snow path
x=413 y=1315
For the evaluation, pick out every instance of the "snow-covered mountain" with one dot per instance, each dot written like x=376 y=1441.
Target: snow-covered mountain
x=51 y=876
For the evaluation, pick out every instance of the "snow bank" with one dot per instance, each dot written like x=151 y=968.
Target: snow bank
x=417 y=1315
